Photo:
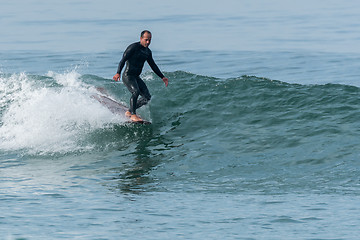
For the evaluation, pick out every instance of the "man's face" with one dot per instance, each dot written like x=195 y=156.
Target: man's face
x=145 y=40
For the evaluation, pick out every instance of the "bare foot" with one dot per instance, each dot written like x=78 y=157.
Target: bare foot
x=128 y=114
x=135 y=118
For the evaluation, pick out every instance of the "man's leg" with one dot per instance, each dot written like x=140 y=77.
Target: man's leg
x=144 y=92
x=132 y=85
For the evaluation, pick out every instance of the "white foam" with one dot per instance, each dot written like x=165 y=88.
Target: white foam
x=47 y=119
x=148 y=76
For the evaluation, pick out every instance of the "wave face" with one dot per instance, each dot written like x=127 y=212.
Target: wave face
x=258 y=131
x=260 y=113
x=209 y=125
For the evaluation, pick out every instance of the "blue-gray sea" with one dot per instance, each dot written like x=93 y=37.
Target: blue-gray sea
x=257 y=135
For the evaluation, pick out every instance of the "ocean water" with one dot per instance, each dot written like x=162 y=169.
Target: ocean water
x=256 y=136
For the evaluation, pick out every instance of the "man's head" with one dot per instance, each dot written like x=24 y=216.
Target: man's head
x=145 y=38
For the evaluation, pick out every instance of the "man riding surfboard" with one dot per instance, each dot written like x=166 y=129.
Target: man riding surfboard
x=134 y=57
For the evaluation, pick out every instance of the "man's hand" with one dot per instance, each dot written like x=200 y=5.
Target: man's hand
x=116 y=77
x=166 y=81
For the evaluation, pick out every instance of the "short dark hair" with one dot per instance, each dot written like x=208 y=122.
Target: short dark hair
x=143 y=32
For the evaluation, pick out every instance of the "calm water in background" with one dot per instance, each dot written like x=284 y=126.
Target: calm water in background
x=256 y=137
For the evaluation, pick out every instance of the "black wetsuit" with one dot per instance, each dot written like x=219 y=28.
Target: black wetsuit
x=135 y=56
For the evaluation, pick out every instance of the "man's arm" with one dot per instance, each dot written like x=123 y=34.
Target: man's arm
x=156 y=70
x=127 y=54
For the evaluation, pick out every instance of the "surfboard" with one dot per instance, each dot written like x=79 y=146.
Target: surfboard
x=116 y=107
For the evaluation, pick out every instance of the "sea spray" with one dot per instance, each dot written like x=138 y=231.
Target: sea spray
x=49 y=114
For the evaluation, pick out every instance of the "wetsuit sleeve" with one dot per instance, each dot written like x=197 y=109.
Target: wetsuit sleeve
x=154 y=67
x=127 y=54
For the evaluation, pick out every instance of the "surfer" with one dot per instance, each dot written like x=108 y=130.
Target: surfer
x=135 y=56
